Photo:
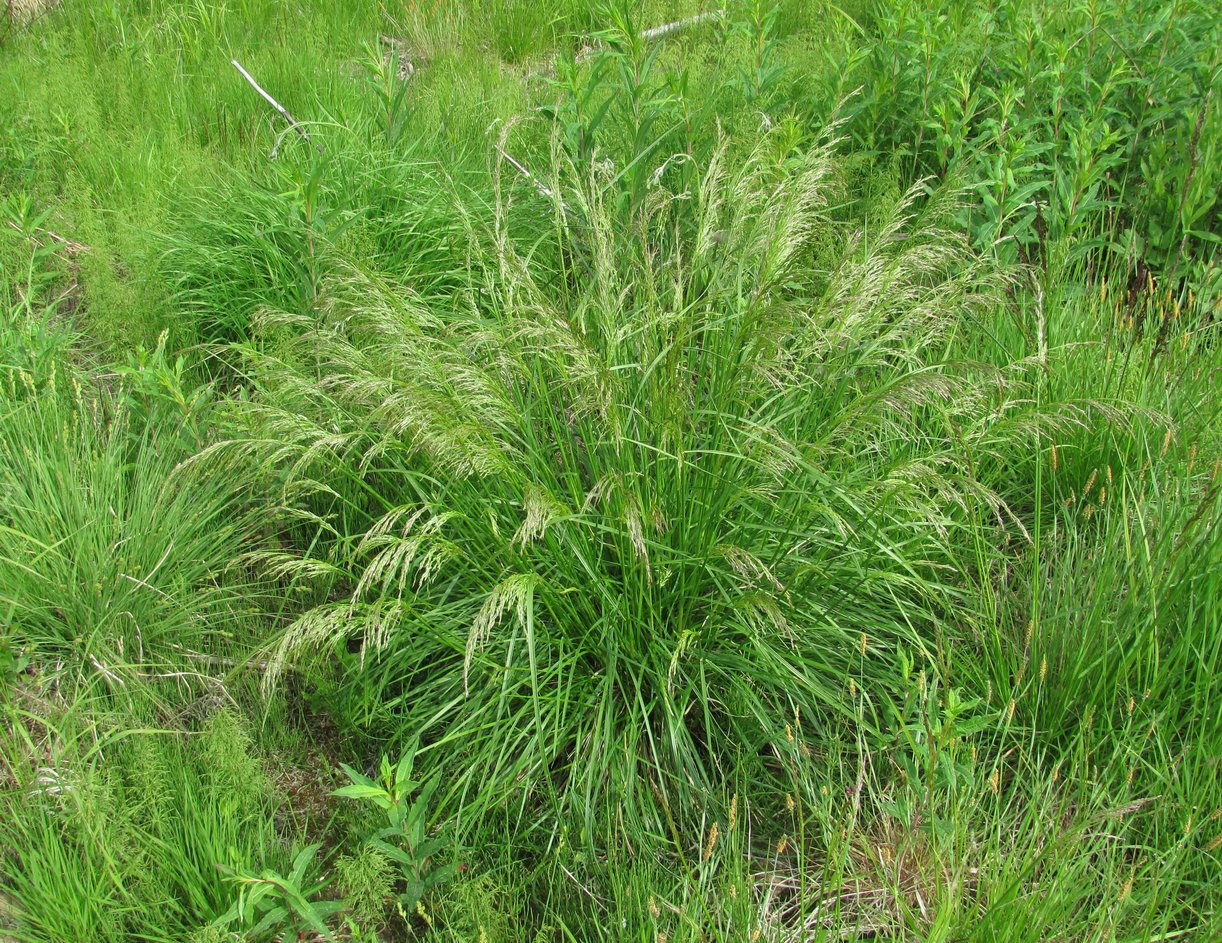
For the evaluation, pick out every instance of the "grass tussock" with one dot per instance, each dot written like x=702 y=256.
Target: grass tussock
x=668 y=460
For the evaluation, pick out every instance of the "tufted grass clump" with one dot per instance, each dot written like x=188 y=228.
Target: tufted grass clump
x=597 y=530
x=113 y=548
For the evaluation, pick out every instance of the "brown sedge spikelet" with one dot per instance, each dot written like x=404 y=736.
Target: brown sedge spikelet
x=1090 y=482
x=1128 y=885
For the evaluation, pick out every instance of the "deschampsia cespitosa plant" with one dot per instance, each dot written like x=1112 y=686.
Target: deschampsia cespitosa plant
x=637 y=499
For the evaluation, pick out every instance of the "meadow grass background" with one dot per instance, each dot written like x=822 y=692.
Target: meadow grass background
x=755 y=480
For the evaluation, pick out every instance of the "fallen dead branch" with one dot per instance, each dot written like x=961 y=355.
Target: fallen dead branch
x=666 y=29
x=294 y=124
x=68 y=244
x=538 y=184
x=655 y=33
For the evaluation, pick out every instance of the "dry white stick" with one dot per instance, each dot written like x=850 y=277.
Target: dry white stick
x=539 y=184
x=666 y=29
x=284 y=113
x=55 y=237
x=661 y=32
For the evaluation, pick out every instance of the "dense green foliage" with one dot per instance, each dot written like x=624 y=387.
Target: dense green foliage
x=611 y=471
